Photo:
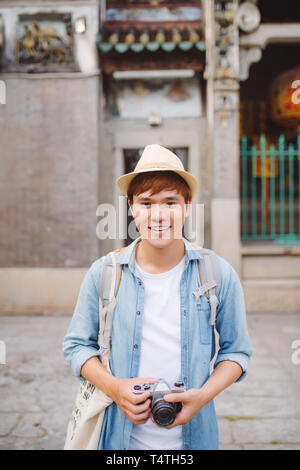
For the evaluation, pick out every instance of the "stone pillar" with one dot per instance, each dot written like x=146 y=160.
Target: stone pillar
x=226 y=199
x=222 y=74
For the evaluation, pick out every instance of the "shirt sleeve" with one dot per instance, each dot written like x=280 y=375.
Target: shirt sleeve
x=231 y=324
x=81 y=340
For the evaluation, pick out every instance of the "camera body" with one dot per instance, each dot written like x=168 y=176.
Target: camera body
x=163 y=412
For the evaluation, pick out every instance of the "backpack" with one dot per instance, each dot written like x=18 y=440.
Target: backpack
x=110 y=277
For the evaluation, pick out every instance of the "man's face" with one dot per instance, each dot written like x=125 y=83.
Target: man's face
x=159 y=218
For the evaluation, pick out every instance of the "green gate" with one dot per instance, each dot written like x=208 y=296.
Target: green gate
x=270 y=191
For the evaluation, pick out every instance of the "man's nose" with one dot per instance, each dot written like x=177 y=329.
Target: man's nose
x=158 y=212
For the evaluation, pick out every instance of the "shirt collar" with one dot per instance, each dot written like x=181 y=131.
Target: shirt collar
x=128 y=255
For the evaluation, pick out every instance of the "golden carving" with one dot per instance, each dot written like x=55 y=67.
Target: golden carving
x=42 y=44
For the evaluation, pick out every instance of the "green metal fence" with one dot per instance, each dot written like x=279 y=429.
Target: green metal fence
x=270 y=191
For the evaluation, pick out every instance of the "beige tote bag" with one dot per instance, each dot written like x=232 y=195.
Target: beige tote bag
x=86 y=421
x=85 y=425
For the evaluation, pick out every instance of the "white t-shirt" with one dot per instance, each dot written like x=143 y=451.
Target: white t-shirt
x=160 y=350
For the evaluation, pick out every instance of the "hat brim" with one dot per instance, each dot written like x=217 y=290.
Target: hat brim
x=124 y=181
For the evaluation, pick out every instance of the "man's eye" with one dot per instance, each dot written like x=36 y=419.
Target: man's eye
x=148 y=204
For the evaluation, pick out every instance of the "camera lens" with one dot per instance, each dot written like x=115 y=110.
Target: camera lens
x=164 y=413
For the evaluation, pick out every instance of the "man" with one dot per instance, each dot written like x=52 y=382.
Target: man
x=160 y=330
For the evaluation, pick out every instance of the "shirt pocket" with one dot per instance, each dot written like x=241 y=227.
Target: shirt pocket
x=203 y=311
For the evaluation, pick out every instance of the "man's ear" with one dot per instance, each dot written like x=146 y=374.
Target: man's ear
x=131 y=208
x=187 y=208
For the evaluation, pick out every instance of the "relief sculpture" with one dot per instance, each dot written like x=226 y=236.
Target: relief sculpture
x=45 y=42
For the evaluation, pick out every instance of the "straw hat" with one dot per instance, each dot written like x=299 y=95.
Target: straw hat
x=158 y=158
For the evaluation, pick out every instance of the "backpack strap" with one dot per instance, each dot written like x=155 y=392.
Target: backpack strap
x=108 y=290
x=213 y=279
x=213 y=300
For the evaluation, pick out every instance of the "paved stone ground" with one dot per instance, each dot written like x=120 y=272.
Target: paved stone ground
x=37 y=388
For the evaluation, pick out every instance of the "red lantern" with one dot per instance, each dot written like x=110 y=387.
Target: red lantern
x=285 y=99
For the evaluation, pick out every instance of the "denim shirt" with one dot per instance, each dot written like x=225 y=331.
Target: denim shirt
x=197 y=339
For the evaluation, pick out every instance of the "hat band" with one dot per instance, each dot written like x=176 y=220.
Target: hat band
x=157 y=165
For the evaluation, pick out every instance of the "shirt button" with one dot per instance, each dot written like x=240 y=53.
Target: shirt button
x=184 y=313
x=140 y=283
x=138 y=312
x=136 y=346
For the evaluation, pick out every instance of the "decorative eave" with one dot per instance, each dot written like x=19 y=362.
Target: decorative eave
x=123 y=37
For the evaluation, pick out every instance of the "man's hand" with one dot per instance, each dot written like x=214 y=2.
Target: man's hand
x=225 y=373
x=135 y=407
x=191 y=403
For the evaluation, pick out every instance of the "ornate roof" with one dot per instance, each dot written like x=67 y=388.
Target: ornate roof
x=151 y=26
x=132 y=31
x=152 y=37
x=147 y=3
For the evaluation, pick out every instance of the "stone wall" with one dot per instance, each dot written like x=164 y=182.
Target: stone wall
x=49 y=171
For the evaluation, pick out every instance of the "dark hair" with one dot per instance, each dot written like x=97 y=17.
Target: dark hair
x=156 y=181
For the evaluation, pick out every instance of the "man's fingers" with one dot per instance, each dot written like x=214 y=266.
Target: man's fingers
x=144 y=380
x=175 y=397
x=138 y=409
x=138 y=418
x=150 y=380
x=136 y=399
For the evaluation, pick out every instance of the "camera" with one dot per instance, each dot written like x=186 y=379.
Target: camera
x=163 y=412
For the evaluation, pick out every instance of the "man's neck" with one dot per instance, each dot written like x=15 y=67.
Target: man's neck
x=159 y=260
